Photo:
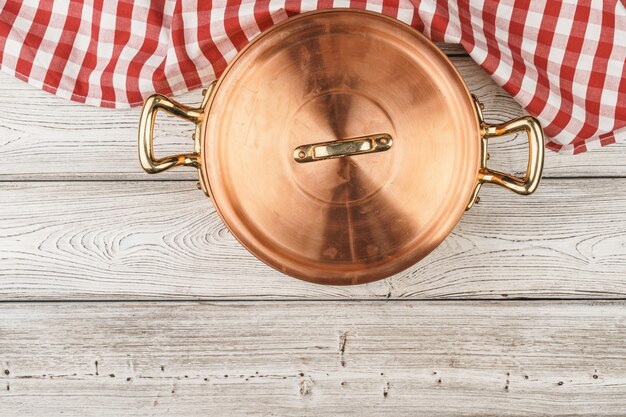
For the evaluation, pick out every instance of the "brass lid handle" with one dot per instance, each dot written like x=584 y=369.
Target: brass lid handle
x=341 y=148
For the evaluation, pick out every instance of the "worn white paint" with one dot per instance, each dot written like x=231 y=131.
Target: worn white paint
x=43 y=137
x=313 y=358
x=80 y=221
x=163 y=240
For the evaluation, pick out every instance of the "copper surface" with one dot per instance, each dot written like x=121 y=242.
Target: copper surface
x=330 y=76
x=371 y=203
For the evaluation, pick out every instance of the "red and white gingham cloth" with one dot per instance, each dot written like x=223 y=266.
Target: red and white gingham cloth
x=563 y=61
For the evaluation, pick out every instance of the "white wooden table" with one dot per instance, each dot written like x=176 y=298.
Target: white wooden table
x=111 y=309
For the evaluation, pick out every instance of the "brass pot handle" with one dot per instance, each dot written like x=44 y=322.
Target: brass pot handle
x=153 y=104
x=529 y=183
x=523 y=186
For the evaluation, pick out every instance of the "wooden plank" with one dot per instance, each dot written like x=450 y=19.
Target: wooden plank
x=320 y=358
x=43 y=137
x=452 y=49
x=163 y=240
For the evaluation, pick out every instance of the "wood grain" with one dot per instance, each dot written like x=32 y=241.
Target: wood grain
x=452 y=49
x=43 y=137
x=79 y=220
x=163 y=240
x=316 y=358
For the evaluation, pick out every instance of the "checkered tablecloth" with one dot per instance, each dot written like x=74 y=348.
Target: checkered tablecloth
x=563 y=61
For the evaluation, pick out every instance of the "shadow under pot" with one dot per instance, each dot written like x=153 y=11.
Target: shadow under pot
x=341 y=146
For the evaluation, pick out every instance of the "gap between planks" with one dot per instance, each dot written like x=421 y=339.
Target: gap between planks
x=166 y=301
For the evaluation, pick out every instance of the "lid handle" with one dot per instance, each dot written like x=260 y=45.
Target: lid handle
x=340 y=148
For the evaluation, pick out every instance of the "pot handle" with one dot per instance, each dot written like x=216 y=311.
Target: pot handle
x=529 y=183
x=153 y=104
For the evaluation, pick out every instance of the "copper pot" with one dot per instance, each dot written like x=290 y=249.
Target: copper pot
x=340 y=146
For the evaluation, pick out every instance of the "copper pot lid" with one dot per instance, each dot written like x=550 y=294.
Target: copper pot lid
x=340 y=147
